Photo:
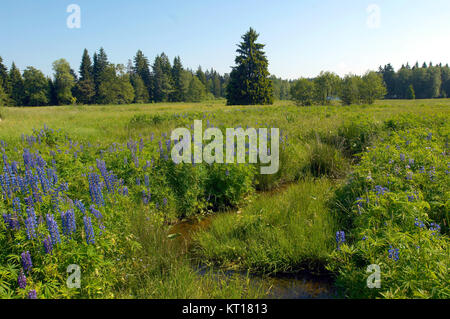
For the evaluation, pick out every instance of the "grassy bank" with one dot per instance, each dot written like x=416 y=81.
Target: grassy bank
x=286 y=232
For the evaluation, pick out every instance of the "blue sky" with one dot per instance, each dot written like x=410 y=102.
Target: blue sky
x=302 y=37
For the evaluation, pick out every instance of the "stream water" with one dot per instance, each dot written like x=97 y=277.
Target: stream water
x=302 y=285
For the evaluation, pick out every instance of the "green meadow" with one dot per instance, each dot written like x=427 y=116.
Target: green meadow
x=358 y=185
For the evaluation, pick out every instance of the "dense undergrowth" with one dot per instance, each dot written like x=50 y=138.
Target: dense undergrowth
x=398 y=218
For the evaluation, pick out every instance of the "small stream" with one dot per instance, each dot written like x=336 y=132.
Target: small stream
x=302 y=285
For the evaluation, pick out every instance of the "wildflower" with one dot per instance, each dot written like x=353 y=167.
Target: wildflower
x=393 y=253
x=340 y=238
x=164 y=201
x=89 y=230
x=68 y=222
x=48 y=247
x=359 y=204
x=380 y=190
x=409 y=176
x=16 y=205
x=14 y=222
x=79 y=204
x=402 y=157
x=435 y=228
x=22 y=280
x=32 y=294
x=411 y=198
x=432 y=173
x=26 y=261
x=419 y=223
x=95 y=212
x=52 y=226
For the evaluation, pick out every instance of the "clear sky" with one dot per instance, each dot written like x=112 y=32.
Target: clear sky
x=302 y=37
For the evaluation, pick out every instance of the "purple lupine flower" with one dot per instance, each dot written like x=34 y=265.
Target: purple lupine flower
x=68 y=222
x=30 y=228
x=419 y=223
x=89 y=230
x=14 y=223
x=16 y=205
x=95 y=212
x=79 y=204
x=22 y=280
x=359 y=202
x=409 y=176
x=48 y=247
x=340 y=238
x=26 y=261
x=380 y=190
x=435 y=228
x=32 y=294
x=53 y=228
x=393 y=253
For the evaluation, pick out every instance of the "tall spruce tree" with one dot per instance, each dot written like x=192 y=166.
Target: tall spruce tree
x=86 y=69
x=141 y=67
x=201 y=75
x=16 y=81
x=249 y=80
x=4 y=83
x=99 y=71
x=85 y=89
x=177 y=73
x=162 y=78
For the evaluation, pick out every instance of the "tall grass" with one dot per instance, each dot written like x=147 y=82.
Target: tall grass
x=285 y=232
x=160 y=269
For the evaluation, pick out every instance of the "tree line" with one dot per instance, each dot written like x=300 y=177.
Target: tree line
x=421 y=82
x=328 y=86
x=99 y=81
